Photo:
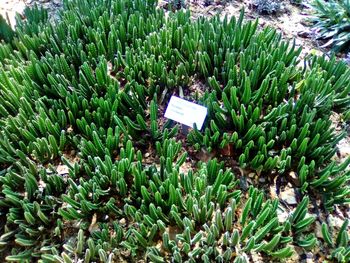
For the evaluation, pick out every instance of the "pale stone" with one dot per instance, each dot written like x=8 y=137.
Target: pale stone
x=122 y=221
x=282 y=216
x=262 y=180
x=288 y=195
x=62 y=169
x=318 y=230
x=335 y=221
x=344 y=150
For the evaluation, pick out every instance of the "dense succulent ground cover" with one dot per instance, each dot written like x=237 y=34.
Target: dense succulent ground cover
x=90 y=92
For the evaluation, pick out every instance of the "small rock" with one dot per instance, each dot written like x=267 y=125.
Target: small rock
x=250 y=182
x=282 y=215
x=262 y=180
x=126 y=253
x=41 y=185
x=49 y=171
x=305 y=22
x=344 y=150
x=292 y=177
x=339 y=213
x=122 y=221
x=304 y=34
x=62 y=169
x=296 y=256
x=309 y=257
x=273 y=192
x=147 y=155
x=94 y=226
x=246 y=257
x=288 y=195
x=334 y=221
x=347 y=213
x=251 y=175
x=243 y=183
x=47 y=5
x=256 y=257
x=318 y=230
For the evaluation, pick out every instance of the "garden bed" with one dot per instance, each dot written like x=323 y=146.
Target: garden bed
x=91 y=170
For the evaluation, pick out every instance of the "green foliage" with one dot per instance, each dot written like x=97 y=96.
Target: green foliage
x=337 y=75
x=338 y=243
x=35 y=19
x=257 y=223
x=90 y=170
x=266 y=127
x=267 y=6
x=6 y=33
x=332 y=21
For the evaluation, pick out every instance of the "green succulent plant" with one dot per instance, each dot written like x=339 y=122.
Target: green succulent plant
x=6 y=32
x=332 y=22
x=267 y=6
x=339 y=246
x=88 y=93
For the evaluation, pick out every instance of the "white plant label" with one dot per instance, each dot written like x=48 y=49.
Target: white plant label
x=185 y=112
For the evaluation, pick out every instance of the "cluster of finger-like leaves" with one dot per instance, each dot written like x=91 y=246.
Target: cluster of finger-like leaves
x=192 y=216
x=332 y=23
x=88 y=94
x=267 y=6
x=338 y=243
x=6 y=33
